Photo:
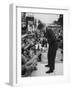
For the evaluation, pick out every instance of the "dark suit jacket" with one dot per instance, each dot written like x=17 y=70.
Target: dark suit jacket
x=51 y=38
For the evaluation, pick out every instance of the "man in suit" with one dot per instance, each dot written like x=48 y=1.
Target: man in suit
x=51 y=39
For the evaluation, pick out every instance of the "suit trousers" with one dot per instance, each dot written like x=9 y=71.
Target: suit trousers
x=51 y=55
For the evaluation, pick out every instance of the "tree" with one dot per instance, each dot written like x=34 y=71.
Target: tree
x=60 y=20
x=40 y=25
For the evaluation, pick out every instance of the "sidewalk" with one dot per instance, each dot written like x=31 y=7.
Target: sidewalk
x=41 y=69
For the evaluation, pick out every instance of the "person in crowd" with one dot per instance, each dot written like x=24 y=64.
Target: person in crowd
x=51 y=39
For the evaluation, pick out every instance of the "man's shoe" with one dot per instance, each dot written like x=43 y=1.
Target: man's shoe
x=46 y=65
x=50 y=71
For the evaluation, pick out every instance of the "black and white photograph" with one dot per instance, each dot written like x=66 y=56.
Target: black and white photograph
x=41 y=44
